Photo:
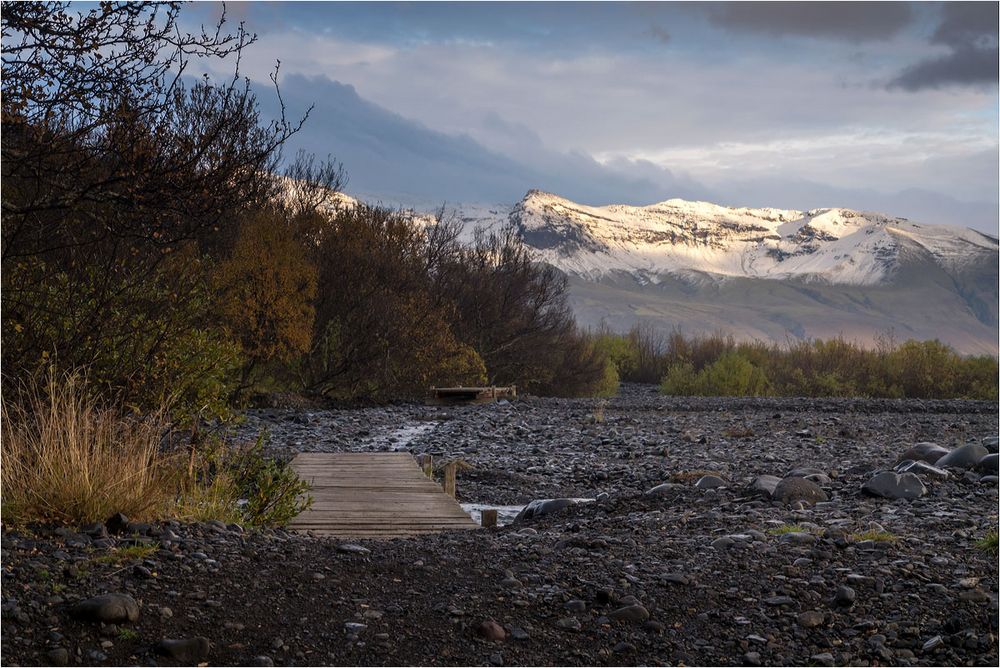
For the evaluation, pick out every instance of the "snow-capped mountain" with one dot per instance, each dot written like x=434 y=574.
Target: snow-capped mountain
x=677 y=237
x=757 y=273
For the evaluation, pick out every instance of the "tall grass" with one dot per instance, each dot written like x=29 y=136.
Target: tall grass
x=67 y=458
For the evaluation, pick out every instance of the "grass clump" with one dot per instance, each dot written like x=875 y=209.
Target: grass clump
x=875 y=535
x=69 y=459
x=988 y=543
x=787 y=528
x=126 y=554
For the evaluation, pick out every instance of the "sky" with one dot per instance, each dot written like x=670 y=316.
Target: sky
x=878 y=106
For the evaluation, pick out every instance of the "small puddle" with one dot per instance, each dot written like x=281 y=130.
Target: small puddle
x=505 y=514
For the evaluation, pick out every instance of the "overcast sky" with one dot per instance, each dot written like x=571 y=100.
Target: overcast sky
x=867 y=105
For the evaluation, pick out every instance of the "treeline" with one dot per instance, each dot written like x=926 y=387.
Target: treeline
x=151 y=239
x=718 y=365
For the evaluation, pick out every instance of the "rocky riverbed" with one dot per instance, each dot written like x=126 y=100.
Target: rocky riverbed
x=723 y=531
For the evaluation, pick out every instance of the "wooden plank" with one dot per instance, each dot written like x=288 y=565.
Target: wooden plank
x=374 y=495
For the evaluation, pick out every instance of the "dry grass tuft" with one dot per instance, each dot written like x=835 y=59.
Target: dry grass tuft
x=69 y=459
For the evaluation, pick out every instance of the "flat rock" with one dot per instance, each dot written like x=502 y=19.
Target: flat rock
x=921 y=468
x=892 y=485
x=763 y=485
x=790 y=490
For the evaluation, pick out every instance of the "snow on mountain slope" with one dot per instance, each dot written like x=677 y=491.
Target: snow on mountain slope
x=679 y=238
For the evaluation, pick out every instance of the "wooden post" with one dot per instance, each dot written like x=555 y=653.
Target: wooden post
x=449 y=478
x=489 y=517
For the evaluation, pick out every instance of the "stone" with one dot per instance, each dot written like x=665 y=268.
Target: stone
x=710 y=482
x=891 y=485
x=543 y=507
x=921 y=468
x=790 y=490
x=491 y=630
x=57 y=657
x=991 y=443
x=990 y=464
x=798 y=538
x=844 y=596
x=189 y=651
x=816 y=475
x=823 y=659
x=569 y=623
x=262 y=660
x=763 y=485
x=575 y=605
x=924 y=452
x=108 y=608
x=964 y=457
x=723 y=543
x=630 y=613
x=350 y=548
x=810 y=619
x=661 y=489
x=117 y=523
x=932 y=644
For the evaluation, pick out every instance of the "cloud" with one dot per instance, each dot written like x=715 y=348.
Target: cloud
x=384 y=152
x=969 y=31
x=962 y=67
x=846 y=21
x=658 y=33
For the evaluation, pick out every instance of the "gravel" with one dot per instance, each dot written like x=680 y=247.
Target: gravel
x=685 y=574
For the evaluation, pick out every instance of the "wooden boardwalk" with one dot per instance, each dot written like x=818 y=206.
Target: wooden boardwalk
x=374 y=495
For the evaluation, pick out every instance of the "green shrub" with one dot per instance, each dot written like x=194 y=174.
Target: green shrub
x=239 y=484
x=732 y=375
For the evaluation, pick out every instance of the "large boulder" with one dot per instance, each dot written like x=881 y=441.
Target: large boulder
x=924 y=452
x=892 y=485
x=540 y=507
x=108 y=608
x=793 y=489
x=989 y=465
x=964 y=457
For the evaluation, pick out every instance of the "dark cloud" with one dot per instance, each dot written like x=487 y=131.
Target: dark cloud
x=848 y=21
x=384 y=152
x=968 y=25
x=969 y=29
x=962 y=67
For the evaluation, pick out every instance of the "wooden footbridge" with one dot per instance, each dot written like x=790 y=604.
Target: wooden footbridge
x=376 y=495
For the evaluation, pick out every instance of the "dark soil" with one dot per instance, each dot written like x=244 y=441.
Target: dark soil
x=726 y=577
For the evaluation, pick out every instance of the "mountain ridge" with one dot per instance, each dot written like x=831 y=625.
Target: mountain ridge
x=760 y=273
